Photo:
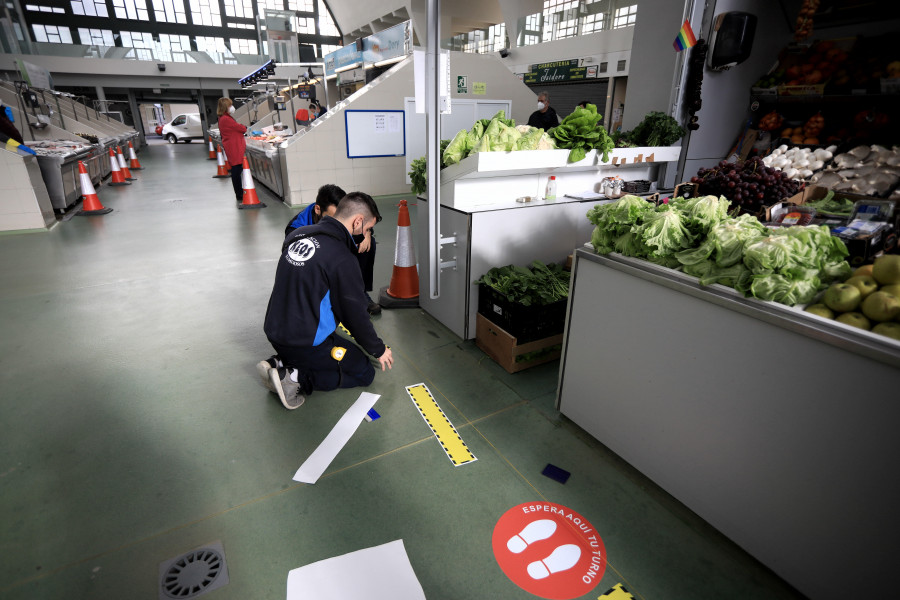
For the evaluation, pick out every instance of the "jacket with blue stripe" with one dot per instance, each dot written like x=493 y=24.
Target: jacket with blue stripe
x=318 y=284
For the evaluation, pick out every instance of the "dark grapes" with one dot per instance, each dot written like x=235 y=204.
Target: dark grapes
x=749 y=184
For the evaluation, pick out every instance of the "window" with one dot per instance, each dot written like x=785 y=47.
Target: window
x=327 y=49
x=131 y=9
x=560 y=19
x=625 y=16
x=96 y=37
x=169 y=11
x=205 y=12
x=241 y=9
x=52 y=34
x=179 y=120
x=326 y=23
x=91 y=8
x=593 y=21
x=301 y=5
x=242 y=46
x=211 y=44
x=47 y=9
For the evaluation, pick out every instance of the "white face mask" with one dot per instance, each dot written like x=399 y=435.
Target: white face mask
x=540 y=106
x=230 y=110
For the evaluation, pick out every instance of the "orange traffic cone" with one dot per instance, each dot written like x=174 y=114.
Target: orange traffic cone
x=403 y=291
x=122 y=165
x=212 y=150
x=91 y=204
x=118 y=177
x=222 y=170
x=251 y=200
x=135 y=163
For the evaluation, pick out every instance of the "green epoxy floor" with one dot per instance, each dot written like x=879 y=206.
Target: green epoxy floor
x=135 y=428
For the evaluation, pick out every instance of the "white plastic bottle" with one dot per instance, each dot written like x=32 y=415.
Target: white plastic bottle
x=550 y=193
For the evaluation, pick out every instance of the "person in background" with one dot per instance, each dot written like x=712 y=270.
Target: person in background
x=318 y=285
x=544 y=117
x=313 y=112
x=234 y=144
x=302 y=117
x=326 y=203
x=584 y=103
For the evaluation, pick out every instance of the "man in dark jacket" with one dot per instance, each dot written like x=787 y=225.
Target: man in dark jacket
x=544 y=117
x=318 y=284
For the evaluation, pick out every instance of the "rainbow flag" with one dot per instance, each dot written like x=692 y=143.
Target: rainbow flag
x=685 y=38
x=11 y=145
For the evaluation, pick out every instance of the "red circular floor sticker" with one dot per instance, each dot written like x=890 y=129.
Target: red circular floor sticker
x=549 y=550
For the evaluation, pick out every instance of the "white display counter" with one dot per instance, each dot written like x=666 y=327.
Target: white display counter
x=492 y=229
x=776 y=426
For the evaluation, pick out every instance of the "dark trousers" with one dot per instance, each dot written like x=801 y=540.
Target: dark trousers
x=319 y=371
x=366 y=262
x=236 y=171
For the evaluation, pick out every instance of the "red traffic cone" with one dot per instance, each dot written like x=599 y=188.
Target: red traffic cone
x=212 y=150
x=403 y=291
x=135 y=163
x=118 y=177
x=122 y=165
x=222 y=170
x=251 y=200
x=91 y=204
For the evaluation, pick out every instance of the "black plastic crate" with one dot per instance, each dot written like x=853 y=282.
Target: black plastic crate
x=525 y=323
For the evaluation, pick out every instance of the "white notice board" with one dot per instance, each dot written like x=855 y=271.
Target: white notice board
x=375 y=133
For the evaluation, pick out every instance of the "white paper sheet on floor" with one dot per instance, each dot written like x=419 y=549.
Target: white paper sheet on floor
x=377 y=573
x=318 y=461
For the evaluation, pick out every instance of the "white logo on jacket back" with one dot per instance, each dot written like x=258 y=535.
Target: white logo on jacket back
x=301 y=251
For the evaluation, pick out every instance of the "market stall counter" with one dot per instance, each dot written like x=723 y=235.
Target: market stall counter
x=776 y=426
x=493 y=205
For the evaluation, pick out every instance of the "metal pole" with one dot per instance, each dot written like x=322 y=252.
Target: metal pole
x=433 y=127
x=291 y=98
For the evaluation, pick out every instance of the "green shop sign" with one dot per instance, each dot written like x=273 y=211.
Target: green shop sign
x=555 y=72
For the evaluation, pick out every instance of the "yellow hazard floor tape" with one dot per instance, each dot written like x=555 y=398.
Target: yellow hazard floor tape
x=617 y=592
x=443 y=429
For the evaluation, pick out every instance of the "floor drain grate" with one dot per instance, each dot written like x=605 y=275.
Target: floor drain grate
x=193 y=573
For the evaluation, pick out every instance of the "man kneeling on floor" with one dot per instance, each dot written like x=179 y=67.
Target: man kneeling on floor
x=318 y=284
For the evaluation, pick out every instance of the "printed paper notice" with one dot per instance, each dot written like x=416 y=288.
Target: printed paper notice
x=479 y=88
x=394 y=123
x=380 y=123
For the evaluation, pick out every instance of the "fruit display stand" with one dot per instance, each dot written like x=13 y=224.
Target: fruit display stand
x=776 y=426
x=479 y=209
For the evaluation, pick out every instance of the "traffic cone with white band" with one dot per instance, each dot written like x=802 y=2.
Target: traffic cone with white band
x=91 y=204
x=212 y=150
x=123 y=165
x=403 y=291
x=135 y=163
x=251 y=200
x=118 y=178
x=222 y=170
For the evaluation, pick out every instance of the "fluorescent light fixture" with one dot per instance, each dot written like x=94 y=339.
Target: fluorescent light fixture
x=389 y=61
x=347 y=67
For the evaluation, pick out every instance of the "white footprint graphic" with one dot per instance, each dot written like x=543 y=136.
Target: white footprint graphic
x=563 y=558
x=533 y=532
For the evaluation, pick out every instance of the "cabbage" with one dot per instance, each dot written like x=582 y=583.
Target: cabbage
x=614 y=226
x=731 y=236
x=795 y=285
x=708 y=272
x=457 y=149
x=530 y=138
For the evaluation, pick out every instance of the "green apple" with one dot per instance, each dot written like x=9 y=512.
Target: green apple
x=881 y=306
x=821 y=310
x=891 y=330
x=863 y=270
x=893 y=288
x=842 y=297
x=865 y=283
x=886 y=269
x=855 y=319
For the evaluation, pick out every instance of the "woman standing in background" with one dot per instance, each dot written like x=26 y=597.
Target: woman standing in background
x=233 y=141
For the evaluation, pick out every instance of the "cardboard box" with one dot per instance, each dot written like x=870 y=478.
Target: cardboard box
x=508 y=353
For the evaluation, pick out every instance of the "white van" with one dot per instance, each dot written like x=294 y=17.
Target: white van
x=185 y=127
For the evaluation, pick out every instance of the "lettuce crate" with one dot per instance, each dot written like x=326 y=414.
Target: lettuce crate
x=525 y=323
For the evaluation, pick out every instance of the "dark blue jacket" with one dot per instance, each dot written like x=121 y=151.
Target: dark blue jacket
x=304 y=217
x=318 y=284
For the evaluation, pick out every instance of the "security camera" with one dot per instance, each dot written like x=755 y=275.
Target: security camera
x=504 y=52
x=161 y=66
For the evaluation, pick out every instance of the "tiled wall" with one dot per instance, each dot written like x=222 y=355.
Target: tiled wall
x=24 y=202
